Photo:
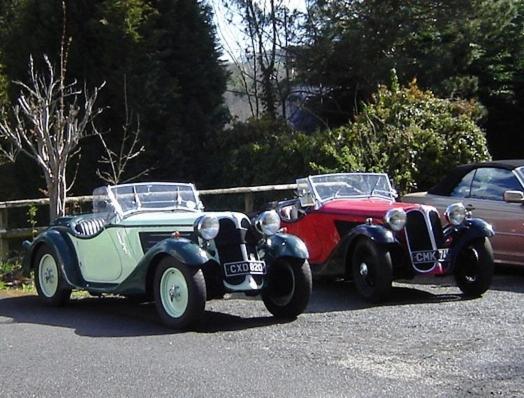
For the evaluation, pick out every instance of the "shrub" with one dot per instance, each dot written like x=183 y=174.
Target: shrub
x=409 y=133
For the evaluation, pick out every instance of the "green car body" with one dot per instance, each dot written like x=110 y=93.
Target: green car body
x=134 y=228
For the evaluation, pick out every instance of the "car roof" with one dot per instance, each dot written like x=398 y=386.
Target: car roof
x=449 y=182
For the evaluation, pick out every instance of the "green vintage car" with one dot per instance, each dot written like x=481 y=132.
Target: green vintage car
x=153 y=241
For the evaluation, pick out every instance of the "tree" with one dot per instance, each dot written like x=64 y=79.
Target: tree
x=456 y=49
x=116 y=162
x=168 y=53
x=47 y=123
x=262 y=55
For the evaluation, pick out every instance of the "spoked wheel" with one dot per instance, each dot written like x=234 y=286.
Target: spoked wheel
x=372 y=270
x=288 y=289
x=180 y=293
x=49 y=283
x=474 y=268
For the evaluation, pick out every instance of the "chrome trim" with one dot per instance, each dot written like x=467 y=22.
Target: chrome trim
x=425 y=210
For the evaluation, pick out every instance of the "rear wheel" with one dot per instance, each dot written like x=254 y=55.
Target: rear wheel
x=49 y=283
x=180 y=293
x=372 y=270
x=474 y=268
x=288 y=288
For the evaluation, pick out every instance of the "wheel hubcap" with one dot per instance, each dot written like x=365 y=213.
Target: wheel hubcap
x=472 y=270
x=364 y=270
x=174 y=292
x=48 y=275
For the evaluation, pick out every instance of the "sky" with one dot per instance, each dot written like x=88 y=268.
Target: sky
x=229 y=33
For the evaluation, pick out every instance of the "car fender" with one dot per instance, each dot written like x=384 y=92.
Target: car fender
x=377 y=233
x=183 y=250
x=472 y=229
x=284 y=245
x=64 y=250
x=338 y=260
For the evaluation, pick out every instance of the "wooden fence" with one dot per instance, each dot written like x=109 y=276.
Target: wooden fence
x=7 y=234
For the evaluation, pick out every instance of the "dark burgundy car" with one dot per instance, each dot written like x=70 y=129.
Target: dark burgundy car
x=353 y=228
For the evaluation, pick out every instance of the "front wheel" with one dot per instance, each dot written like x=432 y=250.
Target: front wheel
x=288 y=288
x=474 y=268
x=49 y=282
x=180 y=293
x=372 y=270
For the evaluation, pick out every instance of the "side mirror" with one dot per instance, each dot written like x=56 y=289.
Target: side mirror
x=514 y=196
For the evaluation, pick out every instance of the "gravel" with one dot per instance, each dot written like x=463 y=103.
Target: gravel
x=426 y=341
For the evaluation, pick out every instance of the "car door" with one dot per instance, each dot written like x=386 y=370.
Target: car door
x=99 y=256
x=486 y=201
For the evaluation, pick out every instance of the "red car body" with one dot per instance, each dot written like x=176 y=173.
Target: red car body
x=319 y=229
x=356 y=231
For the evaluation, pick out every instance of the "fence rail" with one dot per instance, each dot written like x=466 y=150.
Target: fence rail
x=7 y=234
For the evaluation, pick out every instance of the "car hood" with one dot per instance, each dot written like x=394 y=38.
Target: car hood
x=370 y=207
x=173 y=218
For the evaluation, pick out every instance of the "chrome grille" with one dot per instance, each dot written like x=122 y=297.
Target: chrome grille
x=235 y=244
x=423 y=233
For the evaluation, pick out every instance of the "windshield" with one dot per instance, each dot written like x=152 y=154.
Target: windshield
x=348 y=185
x=520 y=174
x=128 y=198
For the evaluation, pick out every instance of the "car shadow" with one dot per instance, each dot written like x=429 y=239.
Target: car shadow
x=115 y=317
x=508 y=278
x=333 y=296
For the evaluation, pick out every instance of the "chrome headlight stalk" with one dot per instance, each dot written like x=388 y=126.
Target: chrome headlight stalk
x=268 y=223
x=455 y=213
x=395 y=219
x=206 y=227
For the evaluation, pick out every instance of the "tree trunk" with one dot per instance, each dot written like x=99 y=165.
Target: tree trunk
x=57 y=191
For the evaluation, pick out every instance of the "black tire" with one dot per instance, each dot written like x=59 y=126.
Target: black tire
x=288 y=288
x=180 y=294
x=372 y=270
x=474 y=268
x=49 y=282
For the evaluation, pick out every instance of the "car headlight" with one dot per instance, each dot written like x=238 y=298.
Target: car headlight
x=207 y=227
x=268 y=222
x=396 y=219
x=455 y=213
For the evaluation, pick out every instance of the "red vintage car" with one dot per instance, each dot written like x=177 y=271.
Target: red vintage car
x=354 y=228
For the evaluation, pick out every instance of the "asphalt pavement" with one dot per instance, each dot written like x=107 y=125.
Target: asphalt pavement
x=426 y=341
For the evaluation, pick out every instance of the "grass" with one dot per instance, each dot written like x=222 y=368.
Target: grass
x=11 y=278
x=13 y=282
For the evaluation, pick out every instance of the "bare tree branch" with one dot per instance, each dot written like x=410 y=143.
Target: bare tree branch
x=117 y=162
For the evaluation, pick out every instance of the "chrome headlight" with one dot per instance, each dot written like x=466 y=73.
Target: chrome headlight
x=396 y=219
x=455 y=213
x=207 y=227
x=268 y=222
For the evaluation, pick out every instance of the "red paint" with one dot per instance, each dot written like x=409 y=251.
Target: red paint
x=317 y=229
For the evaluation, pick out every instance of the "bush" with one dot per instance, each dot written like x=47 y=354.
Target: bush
x=408 y=133
x=258 y=152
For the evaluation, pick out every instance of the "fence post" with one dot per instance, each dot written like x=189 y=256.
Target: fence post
x=248 y=202
x=4 y=244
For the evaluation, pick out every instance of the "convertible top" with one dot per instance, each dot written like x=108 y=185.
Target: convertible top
x=445 y=186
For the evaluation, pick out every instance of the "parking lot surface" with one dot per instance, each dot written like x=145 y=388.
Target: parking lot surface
x=426 y=341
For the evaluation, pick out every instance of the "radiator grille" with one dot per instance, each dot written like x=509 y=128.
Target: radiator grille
x=417 y=232
x=436 y=226
x=231 y=242
x=419 y=235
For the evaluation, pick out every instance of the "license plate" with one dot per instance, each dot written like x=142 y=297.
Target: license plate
x=245 y=268
x=429 y=256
